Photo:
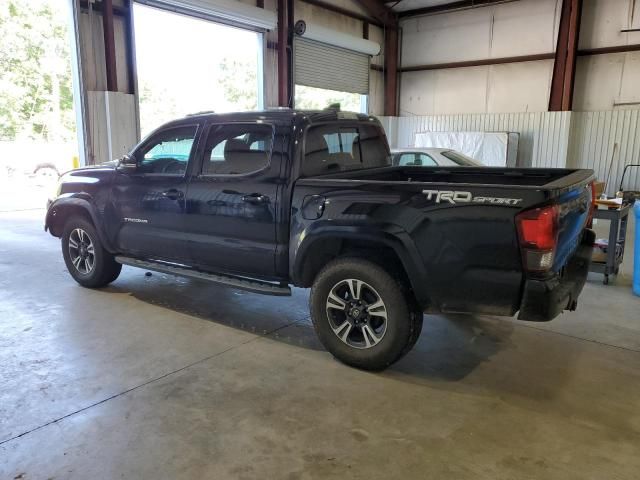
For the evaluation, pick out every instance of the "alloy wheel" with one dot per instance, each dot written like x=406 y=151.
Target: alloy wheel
x=82 y=251
x=356 y=313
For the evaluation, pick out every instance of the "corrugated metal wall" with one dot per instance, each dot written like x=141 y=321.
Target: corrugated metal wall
x=594 y=137
x=547 y=139
x=544 y=137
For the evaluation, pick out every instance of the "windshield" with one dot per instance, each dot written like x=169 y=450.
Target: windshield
x=339 y=147
x=461 y=159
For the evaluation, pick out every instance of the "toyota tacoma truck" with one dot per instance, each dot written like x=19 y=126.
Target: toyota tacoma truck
x=263 y=201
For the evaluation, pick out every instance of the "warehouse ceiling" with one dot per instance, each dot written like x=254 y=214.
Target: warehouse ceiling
x=436 y=6
x=413 y=4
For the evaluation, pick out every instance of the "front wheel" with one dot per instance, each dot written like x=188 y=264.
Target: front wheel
x=362 y=315
x=87 y=261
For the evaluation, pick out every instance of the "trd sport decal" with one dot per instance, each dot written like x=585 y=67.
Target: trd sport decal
x=136 y=220
x=466 y=197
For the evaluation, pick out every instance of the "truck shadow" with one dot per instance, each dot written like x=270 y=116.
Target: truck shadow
x=472 y=355
x=449 y=348
x=452 y=346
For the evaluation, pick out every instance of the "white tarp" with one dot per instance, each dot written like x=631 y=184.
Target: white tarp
x=489 y=148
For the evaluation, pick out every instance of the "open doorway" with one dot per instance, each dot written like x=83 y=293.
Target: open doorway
x=37 y=120
x=312 y=98
x=187 y=65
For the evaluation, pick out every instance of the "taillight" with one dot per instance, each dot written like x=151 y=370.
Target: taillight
x=538 y=232
x=592 y=207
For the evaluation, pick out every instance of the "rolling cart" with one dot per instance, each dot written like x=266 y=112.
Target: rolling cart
x=617 y=214
x=617 y=217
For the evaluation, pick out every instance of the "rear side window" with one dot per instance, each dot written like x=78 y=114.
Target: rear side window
x=237 y=149
x=461 y=159
x=343 y=141
x=336 y=148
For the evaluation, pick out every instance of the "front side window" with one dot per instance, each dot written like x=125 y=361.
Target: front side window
x=167 y=152
x=335 y=148
x=237 y=149
x=407 y=159
x=425 y=160
x=415 y=159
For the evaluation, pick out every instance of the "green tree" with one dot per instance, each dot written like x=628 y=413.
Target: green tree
x=157 y=106
x=239 y=82
x=36 y=96
x=311 y=98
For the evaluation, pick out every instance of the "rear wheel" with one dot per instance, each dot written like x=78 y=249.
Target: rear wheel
x=362 y=315
x=87 y=261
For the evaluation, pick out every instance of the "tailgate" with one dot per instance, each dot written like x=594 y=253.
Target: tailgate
x=574 y=210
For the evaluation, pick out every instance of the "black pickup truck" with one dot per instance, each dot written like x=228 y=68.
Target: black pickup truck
x=264 y=200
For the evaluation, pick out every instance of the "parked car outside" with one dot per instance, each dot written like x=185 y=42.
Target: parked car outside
x=432 y=157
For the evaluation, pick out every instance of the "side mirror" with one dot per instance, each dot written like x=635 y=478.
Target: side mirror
x=127 y=164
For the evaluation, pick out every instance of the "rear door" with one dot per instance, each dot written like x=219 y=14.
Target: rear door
x=150 y=202
x=232 y=197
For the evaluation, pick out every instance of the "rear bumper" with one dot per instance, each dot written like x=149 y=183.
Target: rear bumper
x=543 y=300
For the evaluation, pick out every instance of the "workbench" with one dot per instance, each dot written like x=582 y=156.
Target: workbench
x=617 y=234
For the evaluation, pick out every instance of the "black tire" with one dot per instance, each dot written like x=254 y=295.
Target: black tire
x=358 y=349
x=104 y=269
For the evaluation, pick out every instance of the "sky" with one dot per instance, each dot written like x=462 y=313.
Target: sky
x=181 y=55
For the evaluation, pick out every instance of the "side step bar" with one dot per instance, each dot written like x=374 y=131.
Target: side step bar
x=230 y=281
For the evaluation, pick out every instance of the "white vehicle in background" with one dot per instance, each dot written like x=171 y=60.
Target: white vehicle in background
x=37 y=160
x=29 y=172
x=432 y=157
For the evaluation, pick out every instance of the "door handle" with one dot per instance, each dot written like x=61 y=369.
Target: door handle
x=255 y=198
x=173 y=194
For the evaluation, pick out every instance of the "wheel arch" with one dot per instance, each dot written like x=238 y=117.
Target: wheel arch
x=386 y=250
x=64 y=208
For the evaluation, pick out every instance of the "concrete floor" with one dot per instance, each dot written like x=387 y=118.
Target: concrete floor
x=158 y=377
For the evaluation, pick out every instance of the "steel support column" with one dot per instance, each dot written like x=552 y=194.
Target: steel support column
x=564 y=67
x=387 y=17
x=109 y=45
x=391 y=72
x=284 y=80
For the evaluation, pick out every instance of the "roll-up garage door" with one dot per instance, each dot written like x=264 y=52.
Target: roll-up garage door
x=324 y=66
x=230 y=12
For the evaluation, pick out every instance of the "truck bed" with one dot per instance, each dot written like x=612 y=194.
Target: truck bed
x=459 y=223
x=551 y=178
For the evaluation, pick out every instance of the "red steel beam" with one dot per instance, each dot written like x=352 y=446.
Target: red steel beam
x=283 y=58
x=391 y=72
x=382 y=13
x=564 y=67
x=478 y=63
x=606 y=50
x=109 y=45
x=572 y=52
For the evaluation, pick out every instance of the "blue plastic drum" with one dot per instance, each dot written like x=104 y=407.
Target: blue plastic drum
x=636 y=250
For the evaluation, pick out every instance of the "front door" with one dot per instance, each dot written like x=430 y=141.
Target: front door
x=232 y=198
x=150 y=202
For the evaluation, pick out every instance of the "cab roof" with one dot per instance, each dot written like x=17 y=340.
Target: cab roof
x=284 y=115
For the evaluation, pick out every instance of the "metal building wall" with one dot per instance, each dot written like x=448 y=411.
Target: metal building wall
x=510 y=29
x=547 y=139
x=544 y=136
x=593 y=143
